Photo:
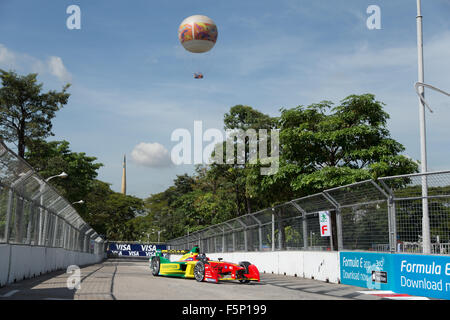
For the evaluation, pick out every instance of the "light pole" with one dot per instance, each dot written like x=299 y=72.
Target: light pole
x=159 y=232
x=426 y=236
x=78 y=202
x=420 y=89
x=426 y=241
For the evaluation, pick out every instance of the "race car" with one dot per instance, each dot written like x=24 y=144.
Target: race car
x=193 y=264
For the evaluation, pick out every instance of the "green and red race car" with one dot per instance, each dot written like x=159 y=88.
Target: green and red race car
x=193 y=264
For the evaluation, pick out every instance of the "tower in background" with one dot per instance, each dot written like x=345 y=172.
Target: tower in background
x=124 y=176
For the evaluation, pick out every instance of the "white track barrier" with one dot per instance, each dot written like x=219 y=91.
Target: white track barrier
x=318 y=265
x=18 y=262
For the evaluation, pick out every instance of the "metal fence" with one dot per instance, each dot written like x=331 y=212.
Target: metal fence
x=33 y=213
x=383 y=216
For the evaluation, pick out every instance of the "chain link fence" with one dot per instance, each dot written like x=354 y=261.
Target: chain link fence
x=381 y=216
x=33 y=213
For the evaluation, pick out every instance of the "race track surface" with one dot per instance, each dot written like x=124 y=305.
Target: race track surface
x=120 y=279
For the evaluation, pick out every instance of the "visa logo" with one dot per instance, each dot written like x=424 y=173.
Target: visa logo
x=148 y=247
x=124 y=247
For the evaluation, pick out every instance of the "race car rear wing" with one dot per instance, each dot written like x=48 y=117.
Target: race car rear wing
x=174 y=251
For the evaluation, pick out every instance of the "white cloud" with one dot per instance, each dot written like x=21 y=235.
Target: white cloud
x=24 y=63
x=57 y=68
x=151 y=155
x=7 y=57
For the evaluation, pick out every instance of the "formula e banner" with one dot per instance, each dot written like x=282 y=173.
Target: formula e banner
x=418 y=275
x=422 y=275
x=369 y=270
x=134 y=249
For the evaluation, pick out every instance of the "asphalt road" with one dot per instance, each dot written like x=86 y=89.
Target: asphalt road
x=118 y=279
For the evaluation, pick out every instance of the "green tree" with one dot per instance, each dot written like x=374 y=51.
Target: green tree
x=25 y=112
x=244 y=118
x=122 y=209
x=51 y=158
x=111 y=213
x=97 y=208
x=324 y=146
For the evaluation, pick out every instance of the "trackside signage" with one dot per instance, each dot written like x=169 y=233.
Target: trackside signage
x=423 y=275
x=418 y=275
x=324 y=219
x=134 y=249
x=369 y=270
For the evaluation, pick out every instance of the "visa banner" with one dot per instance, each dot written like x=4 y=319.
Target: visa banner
x=134 y=249
x=413 y=274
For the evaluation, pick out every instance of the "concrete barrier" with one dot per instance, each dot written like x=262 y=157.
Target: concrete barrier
x=4 y=263
x=18 y=262
x=319 y=265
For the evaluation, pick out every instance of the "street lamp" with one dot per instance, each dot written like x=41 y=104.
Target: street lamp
x=61 y=175
x=426 y=244
x=159 y=232
x=426 y=237
x=420 y=84
x=78 y=202
x=420 y=89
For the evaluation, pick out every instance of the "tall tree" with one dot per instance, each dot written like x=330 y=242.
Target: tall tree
x=98 y=215
x=241 y=117
x=122 y=209
x=25 y=112
x=111 y=213
x=324 y=146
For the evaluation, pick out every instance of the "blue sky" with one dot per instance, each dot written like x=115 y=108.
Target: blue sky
x=132 y=80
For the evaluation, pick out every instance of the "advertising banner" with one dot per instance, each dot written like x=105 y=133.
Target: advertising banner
x=134 y=249
x=422 y=275
x=368 y=270
x=413 y=274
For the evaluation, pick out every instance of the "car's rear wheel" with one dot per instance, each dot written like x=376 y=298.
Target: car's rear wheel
x=199 y=271
x=155 y=266
x=245 y=265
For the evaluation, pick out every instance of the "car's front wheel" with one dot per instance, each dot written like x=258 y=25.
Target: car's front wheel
x=155 y=265
x=199 y=271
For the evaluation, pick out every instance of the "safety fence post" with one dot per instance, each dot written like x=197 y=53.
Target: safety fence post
x=8 y=215
x=273 y=229
x=223 y=239
x=392 y=221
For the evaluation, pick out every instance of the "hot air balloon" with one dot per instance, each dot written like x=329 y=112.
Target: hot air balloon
x=198 y=34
